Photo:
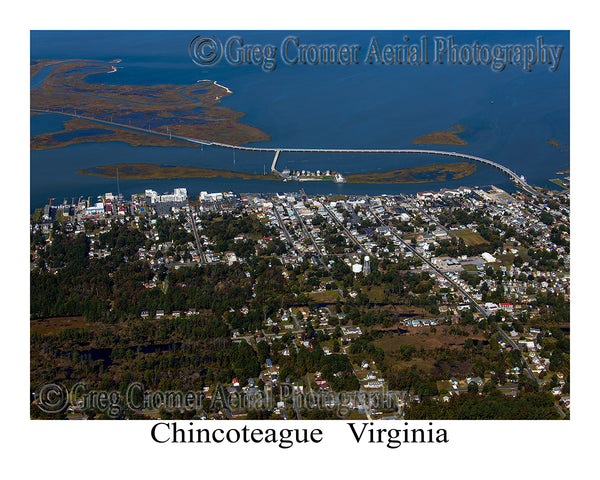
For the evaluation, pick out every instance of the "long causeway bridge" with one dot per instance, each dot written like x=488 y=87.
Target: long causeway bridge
x=518 y=180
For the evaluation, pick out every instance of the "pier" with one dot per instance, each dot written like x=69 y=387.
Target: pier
x=273 y=169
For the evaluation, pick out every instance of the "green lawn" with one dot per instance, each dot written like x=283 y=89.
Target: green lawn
x=470 y=237
x=325 y=297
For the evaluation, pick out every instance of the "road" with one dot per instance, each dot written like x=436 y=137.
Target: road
x=310 y=237
x=285 y=230
x=530 y=373
x=318 y=251
x=348 y=234
x=200 y=252
x=474 y=302
x=433 y=267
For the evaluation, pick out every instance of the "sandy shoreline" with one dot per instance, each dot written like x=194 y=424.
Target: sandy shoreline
x=215 y=83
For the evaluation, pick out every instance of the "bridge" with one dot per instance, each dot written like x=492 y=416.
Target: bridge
x=518 y=180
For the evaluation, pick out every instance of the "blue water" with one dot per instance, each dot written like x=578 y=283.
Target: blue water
x=508 y=115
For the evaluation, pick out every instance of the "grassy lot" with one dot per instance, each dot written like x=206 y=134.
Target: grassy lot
x=335 y=198
x=423 y=337
x=325 y=297
x=375 y=293
x=470 y=237
x=506 y=260
x=45 y=326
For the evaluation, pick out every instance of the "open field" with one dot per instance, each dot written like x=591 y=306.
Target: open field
x=423 y=337
x=470 y=237
x=44 y=326
x=325 y=297
x=506 y=260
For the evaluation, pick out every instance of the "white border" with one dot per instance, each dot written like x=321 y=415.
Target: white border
x=492 y=449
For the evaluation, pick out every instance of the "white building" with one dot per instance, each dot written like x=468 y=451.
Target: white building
x=488 y=257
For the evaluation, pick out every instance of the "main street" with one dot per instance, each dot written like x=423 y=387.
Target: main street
x=348 y=234
x=285 y=230
x=431 y=265
x=200 y=252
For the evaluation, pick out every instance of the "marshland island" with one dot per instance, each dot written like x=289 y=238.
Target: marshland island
x=444 y=137
x=421 y=174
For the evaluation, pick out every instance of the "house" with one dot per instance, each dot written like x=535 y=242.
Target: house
x=160 y=313
x=476 y=380
x=145 y=314
x=491 y=307
x=231 y=258
x=530 y=345
x=375 y=384
x=351 y=331
x=507 y=307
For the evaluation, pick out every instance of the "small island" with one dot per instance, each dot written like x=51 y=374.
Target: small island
x=444 y=137
x=555 y=143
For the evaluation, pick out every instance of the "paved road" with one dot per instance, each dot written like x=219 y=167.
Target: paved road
x=285 y=230
x=310 y=237
x=348 y=234
x=200 y=252
x=433 y=267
